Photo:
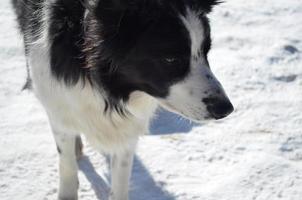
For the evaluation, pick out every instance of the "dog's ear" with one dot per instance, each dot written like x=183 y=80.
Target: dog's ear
x=109 y=13
x=116 y=5
x=206 y=5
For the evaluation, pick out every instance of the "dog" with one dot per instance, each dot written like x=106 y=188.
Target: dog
x=101 y=68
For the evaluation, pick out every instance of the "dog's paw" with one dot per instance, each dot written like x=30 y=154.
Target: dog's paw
x=113 y=197
x=79 y=148
x=68 y=198
x=67 y=195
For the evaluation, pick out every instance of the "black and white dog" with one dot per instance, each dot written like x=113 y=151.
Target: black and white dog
x=101 y=68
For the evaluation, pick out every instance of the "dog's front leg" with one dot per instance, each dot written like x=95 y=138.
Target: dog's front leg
x=68 y=167
x=121 y=167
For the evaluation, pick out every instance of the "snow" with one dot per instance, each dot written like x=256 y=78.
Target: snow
x=255 y=154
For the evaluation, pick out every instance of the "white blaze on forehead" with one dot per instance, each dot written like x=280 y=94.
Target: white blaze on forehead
x=195 y=28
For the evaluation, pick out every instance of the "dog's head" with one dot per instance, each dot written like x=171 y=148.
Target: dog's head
x=159 y=47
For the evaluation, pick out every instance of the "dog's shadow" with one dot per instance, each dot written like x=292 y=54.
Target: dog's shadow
x=98 y=183
x=166 y=123
x=144 y=187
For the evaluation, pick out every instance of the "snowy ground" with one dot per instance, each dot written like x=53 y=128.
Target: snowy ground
x=255 y=154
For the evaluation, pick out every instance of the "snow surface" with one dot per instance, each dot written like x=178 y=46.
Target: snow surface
x=255 y=154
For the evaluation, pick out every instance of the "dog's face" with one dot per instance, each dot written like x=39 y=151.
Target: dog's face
x=161 y=49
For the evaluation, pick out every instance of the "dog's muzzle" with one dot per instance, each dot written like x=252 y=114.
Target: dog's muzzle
x=218 y=107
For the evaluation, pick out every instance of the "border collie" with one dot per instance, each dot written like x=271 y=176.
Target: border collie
x=101 y=67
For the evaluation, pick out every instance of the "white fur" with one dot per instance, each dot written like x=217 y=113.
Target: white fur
x=195 y=29
x=121 y=166
x=68 y=167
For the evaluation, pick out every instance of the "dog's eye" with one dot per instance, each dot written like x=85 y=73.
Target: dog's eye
x=171 y=60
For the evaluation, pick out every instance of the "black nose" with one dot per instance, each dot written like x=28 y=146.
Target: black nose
x=218 y=108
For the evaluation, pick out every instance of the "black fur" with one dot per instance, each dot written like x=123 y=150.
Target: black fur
x=133 y=48
x=66 y=38
x=29 y=19
x=120 y=46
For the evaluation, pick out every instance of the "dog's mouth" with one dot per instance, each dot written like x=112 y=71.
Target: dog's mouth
x=197 y=119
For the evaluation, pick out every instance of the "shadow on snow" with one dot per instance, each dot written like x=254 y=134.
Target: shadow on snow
x=166 y=122
x=144 y=186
